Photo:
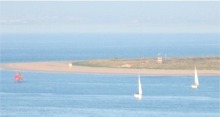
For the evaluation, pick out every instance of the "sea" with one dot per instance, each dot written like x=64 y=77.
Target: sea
x=54 y=94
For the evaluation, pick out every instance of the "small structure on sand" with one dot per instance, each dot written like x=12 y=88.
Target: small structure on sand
x=70 y=65
x=159 y=59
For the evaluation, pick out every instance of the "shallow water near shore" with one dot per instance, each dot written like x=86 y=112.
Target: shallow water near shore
x=96 y=95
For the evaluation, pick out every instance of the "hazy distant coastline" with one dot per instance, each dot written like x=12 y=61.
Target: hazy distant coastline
x=210 y=66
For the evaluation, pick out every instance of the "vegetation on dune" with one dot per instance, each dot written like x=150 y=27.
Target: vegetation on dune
x=202 y=63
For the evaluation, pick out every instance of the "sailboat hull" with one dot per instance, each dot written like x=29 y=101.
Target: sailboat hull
x=194 y=86
x=138 y=96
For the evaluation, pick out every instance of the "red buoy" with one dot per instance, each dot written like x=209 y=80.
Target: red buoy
x=18 y=77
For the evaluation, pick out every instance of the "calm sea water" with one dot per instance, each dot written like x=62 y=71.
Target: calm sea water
x=50 y=47
x=96 y=95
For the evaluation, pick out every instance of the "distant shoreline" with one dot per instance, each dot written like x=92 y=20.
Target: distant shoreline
x=64 y=67
x=175 y=63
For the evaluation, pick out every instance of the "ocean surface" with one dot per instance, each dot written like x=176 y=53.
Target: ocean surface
x=50 y=94
x=59 y=47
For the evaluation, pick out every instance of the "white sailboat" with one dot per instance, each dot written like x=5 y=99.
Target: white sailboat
x=196 y=82
x=138 y=95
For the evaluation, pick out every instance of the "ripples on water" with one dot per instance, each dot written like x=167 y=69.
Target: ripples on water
x=85 y=95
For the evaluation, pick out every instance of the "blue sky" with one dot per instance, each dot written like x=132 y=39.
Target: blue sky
x=110 y=17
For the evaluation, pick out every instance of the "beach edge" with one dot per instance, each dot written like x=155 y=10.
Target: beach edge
x=63 y=66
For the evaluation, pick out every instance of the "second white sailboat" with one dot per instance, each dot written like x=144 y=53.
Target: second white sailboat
x=196 y=80
x=138 y=95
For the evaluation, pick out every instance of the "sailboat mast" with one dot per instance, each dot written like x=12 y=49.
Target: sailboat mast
x=139 y=85
x=196 y=77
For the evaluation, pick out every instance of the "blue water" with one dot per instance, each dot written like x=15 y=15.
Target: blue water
x=45 y=94
x=89 y=95
x=50 y=47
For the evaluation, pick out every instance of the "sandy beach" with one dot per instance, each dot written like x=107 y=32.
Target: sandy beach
x=64 y=67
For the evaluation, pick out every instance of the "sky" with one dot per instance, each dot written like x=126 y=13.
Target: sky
x=110 y=17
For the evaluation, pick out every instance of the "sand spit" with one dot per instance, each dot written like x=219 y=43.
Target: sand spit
x=64 y=67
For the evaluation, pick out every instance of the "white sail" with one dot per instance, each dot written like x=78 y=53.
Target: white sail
x=196 y=78
x=138 y=95
x=196 y=82
x=139 y=85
